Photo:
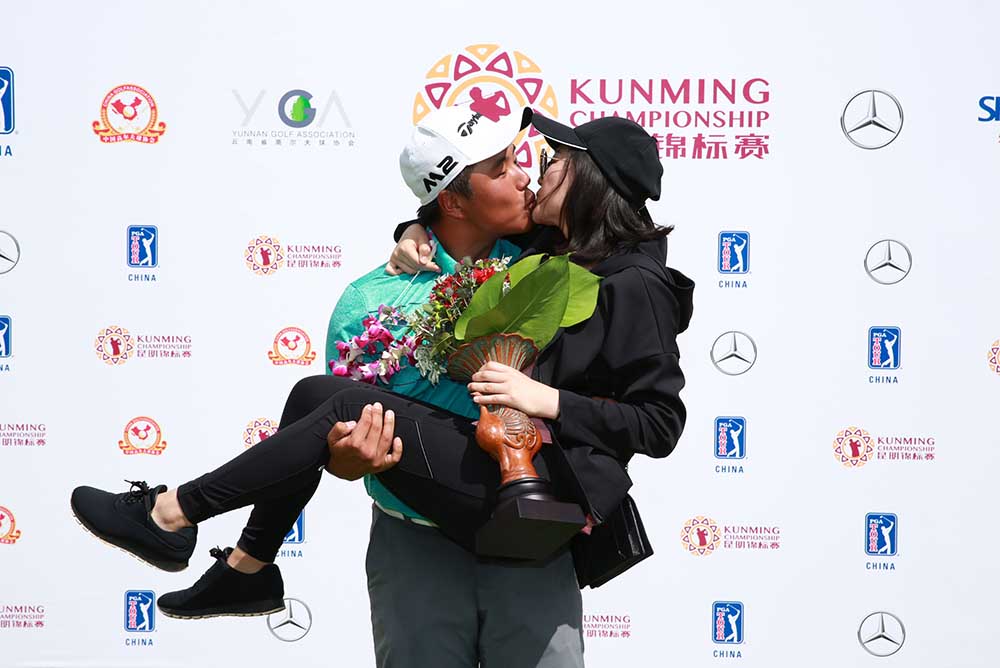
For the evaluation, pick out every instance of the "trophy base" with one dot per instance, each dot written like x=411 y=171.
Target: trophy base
x=528 y=522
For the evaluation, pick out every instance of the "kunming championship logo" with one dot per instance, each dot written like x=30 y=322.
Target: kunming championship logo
x=853 y=447
x=129 y=113
x=143 y=436
x=701 y=536
x=479 y=72
x=257 y=430
x=263 y=255
x=114 y=345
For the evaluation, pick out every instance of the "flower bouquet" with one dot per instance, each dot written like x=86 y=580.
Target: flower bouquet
x=486 y=312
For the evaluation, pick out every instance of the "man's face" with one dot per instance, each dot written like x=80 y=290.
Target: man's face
x=501 y=202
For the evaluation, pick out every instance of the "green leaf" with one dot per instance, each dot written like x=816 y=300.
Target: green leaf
x=534 y=308
x=583 y=289
x=523 y=267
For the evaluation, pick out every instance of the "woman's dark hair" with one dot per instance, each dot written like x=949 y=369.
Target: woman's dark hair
x=430 y=213
x=600 y=222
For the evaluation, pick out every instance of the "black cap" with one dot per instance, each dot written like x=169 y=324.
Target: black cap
x=622 y=150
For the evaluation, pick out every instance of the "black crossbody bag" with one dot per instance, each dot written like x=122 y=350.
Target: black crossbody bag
x=613 y=546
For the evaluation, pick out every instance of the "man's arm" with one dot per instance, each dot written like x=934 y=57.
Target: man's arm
x=345 y=321
x=524 y=240
x=368 y=445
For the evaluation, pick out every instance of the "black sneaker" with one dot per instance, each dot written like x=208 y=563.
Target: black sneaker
x=223 y=591
x=123 y=520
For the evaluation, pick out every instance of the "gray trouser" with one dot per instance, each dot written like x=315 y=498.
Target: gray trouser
x=434 y=605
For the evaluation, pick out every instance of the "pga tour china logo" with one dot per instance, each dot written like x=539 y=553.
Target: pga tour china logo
x=143 y=436
x=488 y=73
x=727 y=622
x=257 y=430
x=9 y=533
x=854 y=447
x=880 y=534
x=129 y=113
x=142 y=246
x=140 y=611
x=291 y=346
x=701 y=536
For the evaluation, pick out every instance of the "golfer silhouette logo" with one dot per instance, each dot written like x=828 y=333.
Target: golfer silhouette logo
x=114 y=345
x=701 y=536
x=297 y=534
x=730 y=437
x=140 y=611
x=883 y=347
x=481 y=107
x=734 y=251
x=258 y=430
x=263 y=255
x=853 y=447
x=727 y=622
x=143 y=246
x=477 y=74
x=880 y=534
x=6 y=336
x=6 y=100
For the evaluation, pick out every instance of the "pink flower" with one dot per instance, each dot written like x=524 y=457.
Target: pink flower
x=339 y=369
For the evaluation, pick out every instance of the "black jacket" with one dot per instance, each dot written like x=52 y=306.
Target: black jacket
x=619 y=377
x=626 y=354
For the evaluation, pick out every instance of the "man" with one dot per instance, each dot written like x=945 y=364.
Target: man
x=434 y=603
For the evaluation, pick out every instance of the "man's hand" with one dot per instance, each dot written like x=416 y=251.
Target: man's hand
x=367 y=446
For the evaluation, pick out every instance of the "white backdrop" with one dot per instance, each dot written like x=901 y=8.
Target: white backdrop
x=811 y=207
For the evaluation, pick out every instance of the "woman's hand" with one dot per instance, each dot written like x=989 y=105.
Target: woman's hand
x=497 y=383
x=413 y=253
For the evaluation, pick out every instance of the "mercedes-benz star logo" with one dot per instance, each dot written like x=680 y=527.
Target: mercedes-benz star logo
x=733 y=353
x=292 y=623
x=874 y=122
x=881 y=634
x=10 y=252
x=888 y=261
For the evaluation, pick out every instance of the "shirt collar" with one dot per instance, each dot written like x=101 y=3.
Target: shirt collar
x=448 y=263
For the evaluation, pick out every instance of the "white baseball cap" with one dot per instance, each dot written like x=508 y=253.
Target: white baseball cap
x=450 y=139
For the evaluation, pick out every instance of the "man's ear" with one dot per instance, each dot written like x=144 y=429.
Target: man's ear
x=451 y=205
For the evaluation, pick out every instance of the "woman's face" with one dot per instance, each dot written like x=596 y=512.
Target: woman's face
x=552 y=190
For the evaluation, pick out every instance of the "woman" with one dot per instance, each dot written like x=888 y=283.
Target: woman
x=607 y=388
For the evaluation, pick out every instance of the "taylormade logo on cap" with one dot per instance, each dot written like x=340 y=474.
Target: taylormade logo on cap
x=450 y=139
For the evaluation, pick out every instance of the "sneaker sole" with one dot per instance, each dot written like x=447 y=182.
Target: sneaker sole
x=268 y=609
x=169 y=566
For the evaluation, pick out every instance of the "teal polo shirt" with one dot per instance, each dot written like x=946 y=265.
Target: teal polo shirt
x=363 y=297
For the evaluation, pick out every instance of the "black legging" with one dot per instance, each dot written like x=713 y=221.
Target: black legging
x=443 y=474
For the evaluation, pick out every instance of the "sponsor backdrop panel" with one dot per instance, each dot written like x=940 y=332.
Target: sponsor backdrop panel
x=184 y=195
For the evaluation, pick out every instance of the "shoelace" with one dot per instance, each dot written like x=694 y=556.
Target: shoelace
x=138 y=491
